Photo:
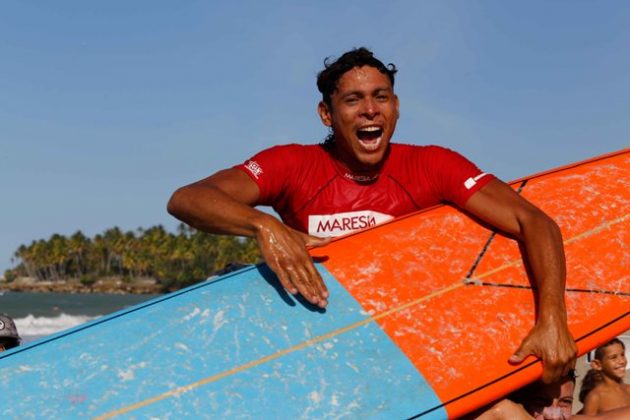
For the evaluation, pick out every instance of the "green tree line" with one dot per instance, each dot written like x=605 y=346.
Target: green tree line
x=174 y=260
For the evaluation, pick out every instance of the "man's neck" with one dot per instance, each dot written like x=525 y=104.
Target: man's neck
x=355 y=171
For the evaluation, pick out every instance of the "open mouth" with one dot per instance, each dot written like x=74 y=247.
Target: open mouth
x=370 y=137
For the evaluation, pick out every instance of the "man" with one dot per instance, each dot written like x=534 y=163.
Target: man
x=358 y=178
x=9 y=336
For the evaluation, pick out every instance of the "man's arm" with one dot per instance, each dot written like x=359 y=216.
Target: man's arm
x=223 y=203
x=550 y=339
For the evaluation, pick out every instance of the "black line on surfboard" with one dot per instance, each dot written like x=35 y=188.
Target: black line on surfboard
x=489 y=241
x=511 y=373
x=568 y=289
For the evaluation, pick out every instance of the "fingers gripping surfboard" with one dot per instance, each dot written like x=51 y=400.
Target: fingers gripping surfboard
x=424 y=313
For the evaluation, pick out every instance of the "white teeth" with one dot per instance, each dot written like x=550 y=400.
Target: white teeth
x=371 y=145
x=370 y=128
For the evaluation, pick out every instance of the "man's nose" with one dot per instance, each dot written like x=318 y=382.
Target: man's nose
x=553 y=412
x=369 y=108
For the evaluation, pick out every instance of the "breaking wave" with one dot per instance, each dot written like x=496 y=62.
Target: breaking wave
x=32 y=327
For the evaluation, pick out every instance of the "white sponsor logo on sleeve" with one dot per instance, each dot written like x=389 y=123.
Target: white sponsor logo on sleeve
x=254 y=168
x=471 y=182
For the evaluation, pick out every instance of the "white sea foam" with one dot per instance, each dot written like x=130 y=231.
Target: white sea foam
x=33 y=327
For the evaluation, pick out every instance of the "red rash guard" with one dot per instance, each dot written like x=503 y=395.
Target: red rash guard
x=313 y=192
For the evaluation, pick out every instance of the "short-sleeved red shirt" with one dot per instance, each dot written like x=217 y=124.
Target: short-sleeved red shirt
x=313 y=192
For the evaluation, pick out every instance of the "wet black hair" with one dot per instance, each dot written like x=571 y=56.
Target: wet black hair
x=328 y=78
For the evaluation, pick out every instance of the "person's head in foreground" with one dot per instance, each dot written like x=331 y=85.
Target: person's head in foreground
x=9 y=337
x=547 y=401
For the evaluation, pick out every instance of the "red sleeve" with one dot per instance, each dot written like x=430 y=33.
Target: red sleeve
x=270 y=169
x=453 y=177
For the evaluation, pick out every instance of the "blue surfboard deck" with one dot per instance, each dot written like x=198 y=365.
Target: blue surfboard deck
x=234 y=347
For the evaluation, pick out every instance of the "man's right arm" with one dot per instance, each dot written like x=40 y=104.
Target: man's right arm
x=224 y=204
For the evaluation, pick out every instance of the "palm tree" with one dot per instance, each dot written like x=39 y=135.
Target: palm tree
x=78 y=247
x=174 y=260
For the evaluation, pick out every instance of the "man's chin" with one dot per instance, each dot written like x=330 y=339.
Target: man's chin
x=371 y=158
x=372 y=162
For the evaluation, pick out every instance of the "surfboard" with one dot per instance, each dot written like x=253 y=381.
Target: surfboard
x=424 y=313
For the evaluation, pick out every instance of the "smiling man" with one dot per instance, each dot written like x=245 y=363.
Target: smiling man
x=357 y=178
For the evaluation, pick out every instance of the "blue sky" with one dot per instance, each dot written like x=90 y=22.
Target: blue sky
x=107 y=107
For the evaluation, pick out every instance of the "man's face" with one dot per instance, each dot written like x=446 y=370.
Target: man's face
x=363 y=115
x=551 y=401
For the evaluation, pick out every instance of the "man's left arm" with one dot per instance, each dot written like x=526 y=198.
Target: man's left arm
x=500 y=206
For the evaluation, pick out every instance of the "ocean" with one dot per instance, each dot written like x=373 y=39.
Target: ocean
x=37 y=315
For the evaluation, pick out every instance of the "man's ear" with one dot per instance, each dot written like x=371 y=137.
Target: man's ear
x=324 y=114
x=596 y=364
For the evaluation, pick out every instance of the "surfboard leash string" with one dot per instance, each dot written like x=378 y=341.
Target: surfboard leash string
x=476 y=281
x=489 y=241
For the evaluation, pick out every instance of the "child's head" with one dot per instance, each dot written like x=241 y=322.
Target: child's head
x=610 y=360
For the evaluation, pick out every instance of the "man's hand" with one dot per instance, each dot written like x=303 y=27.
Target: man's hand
x=284 y=250
x=552 y=342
